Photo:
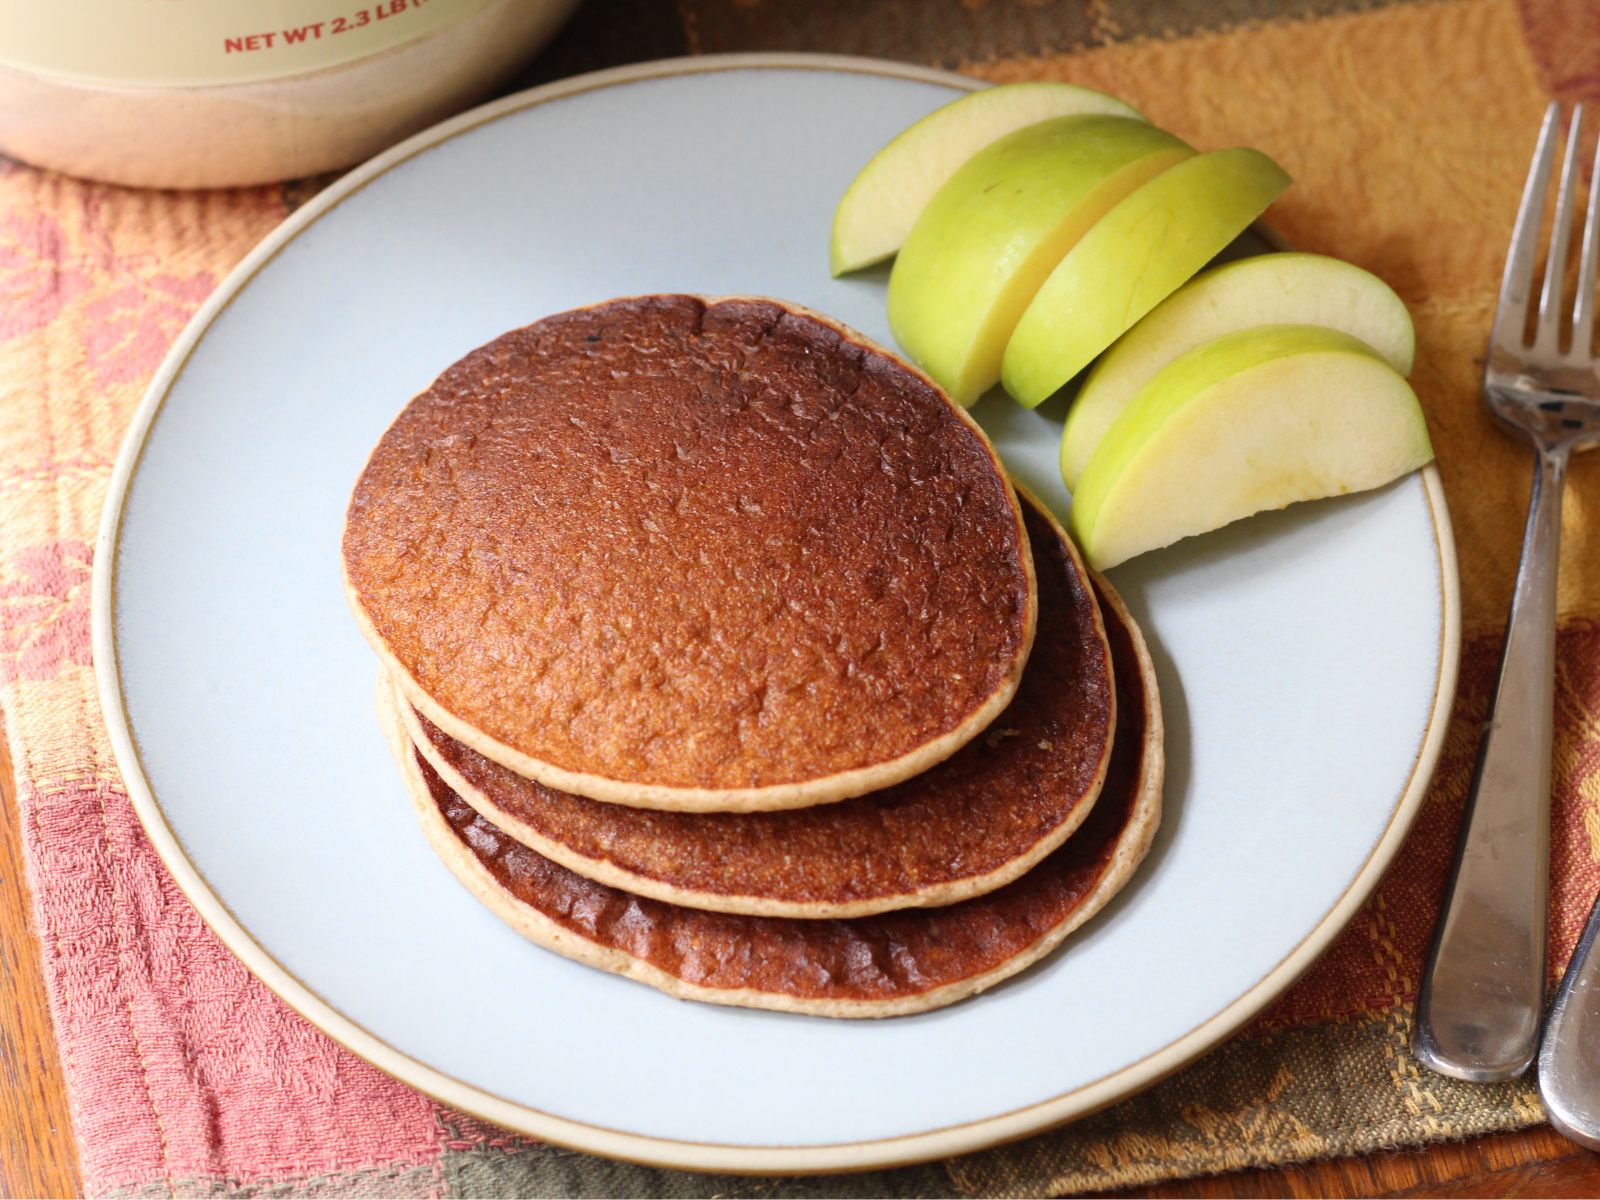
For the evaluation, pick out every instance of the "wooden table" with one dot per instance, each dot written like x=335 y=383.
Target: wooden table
x=38 y=1159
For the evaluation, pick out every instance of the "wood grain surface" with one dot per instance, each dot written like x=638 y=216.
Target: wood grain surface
x=1537 y=1162
x=38 y=1157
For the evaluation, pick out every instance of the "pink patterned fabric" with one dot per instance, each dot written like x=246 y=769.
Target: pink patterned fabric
x=46 y=601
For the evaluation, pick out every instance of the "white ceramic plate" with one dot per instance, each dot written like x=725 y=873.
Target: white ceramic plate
x=1307 y=658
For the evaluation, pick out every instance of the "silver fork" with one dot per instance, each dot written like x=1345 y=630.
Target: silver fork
x=1483 y=989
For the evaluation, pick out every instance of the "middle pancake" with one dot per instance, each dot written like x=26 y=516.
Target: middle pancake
x=969 y=825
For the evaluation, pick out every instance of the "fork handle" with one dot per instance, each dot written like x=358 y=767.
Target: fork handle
x=1569 y=1055
x=1483 y=989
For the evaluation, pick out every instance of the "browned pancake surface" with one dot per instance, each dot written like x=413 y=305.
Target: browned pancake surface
x=869 y=966
x=970 y=824
x=714 y=547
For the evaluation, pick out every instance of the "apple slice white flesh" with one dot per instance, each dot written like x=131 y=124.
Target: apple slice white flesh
x=1255 y=420
x=1269 y=289
x=1136 y=256
x=883 y=202
x=991 y=235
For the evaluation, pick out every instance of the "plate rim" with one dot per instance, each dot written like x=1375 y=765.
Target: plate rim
x=879 y=1153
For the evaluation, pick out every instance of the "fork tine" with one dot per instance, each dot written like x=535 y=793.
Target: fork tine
x=1510 y=314
x=1583 y=309
x=1548 y=334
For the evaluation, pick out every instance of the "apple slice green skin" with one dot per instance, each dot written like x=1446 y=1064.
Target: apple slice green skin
x=1137 y=255
x=880 y=206
x=992 y=234
x=1255 y=420
x=1269 y=289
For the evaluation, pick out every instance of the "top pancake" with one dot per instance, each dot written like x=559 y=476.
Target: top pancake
x=693 y=555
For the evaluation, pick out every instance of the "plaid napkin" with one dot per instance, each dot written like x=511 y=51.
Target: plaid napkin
x=1407 y=126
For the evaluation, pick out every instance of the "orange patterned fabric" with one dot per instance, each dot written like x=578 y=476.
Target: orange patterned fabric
x=1407 y=127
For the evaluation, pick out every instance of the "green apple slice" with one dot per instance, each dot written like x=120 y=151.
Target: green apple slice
x=1270 y=289
x=1139 y=252
x=882 y=203
x=991 y=235
x=1255 y=420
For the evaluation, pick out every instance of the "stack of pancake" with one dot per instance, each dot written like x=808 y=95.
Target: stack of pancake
x=719 y=652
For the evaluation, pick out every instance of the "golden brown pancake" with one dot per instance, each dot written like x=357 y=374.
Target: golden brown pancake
x=693 y=555
x=883 y=965
x=969 y=825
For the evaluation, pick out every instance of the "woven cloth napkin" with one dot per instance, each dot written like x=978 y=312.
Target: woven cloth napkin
x=1407 y=126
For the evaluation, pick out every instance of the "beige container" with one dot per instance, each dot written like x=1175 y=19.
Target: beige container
x=220 y=93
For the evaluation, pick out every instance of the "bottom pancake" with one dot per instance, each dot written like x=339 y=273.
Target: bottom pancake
x=876 y=966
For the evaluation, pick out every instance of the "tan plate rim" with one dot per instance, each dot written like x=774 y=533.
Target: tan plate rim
x=596 y=1139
